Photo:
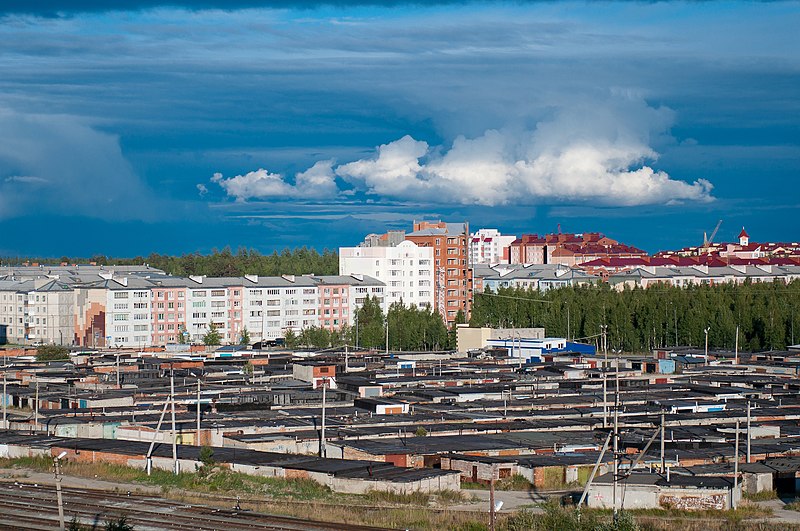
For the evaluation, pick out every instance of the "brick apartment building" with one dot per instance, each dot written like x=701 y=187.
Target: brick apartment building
x=451 y=269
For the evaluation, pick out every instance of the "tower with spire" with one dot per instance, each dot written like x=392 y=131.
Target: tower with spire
x=744 y=239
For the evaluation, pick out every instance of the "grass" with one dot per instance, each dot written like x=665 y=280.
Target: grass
x=217 y=480
x=393 y=498
x=793 y=505
x=300 y=498
x=765 y=495
x=515 y=482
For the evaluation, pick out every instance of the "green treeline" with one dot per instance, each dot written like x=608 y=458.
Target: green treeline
x=224 y=263
x=768 y=314
x=410 y=328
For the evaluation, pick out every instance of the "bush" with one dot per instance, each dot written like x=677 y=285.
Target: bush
x=385 y=496
x=52 y=353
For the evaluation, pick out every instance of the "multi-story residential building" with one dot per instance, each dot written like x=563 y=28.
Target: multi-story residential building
x=452 y=274
x=406 y=269
x=541 y=277
x=36 y=311
x=488 y=246
x=127 y=313
x=568 y=249
x=100 y=308
x=681 y=276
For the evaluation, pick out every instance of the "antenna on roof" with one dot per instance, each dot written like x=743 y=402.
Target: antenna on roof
x=559 y=228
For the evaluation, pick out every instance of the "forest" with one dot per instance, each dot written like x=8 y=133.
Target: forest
x=410 y=329
x=224 y=263
x=767 y=314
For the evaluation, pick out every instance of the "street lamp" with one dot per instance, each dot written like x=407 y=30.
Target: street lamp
x=323 y=450
x=706 y=329
x=57 y=472
x=357 y=327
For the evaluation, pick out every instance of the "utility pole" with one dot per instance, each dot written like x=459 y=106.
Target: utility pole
x=616 y=435
x=675 y=311
x=322 y=445
x=346 y=358
x=663 y=460
x=36 y=407
x=5 y=401
x=387 y=333
x=736 y=348
x=748 y=431
x=174 y=434
x=734 y=500
x=706 y=329
x=198 y=411
x=491 y=499
x=118 y=368
x=57 y=473
x=605 y=377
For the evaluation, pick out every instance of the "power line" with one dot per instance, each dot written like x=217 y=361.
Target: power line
x=515 y=298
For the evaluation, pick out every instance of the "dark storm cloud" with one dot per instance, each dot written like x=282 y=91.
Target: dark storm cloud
x=55 y=8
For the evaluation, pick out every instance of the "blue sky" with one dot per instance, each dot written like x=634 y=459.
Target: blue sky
x=179 y=127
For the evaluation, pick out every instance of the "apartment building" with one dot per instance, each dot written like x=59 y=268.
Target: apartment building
x=488 y=246
x=406 y=269
x=452 y=275
x=101 y=308
x=568 y=249
x=540 y=277
x=36 y=311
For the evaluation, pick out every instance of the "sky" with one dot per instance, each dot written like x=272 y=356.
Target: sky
x=183 y=126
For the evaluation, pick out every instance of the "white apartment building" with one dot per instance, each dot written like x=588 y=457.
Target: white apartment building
x=406 y=269
x=486 y=246
x=128 y=312
x=36 y=311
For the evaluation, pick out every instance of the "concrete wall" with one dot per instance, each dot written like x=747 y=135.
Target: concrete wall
x=653 y=497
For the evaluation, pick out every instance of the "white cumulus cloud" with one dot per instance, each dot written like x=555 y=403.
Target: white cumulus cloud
x=317 y=182
x=586 y=152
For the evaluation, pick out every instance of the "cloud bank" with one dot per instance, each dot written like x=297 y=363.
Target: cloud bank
x=58 y=164
x=586 y=153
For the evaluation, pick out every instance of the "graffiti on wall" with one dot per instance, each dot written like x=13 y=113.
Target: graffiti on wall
x=693 y=503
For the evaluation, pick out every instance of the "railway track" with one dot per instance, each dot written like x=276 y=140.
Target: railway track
x=28 y=506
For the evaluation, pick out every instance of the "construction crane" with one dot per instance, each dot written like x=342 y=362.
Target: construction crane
x=708 y=241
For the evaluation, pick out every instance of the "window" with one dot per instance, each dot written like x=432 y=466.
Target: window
x=218 y=293
x=120 y=294
x=198 y=294
x=273 y=292
x=121 y=306
x=120 y=316
x=171 y=305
